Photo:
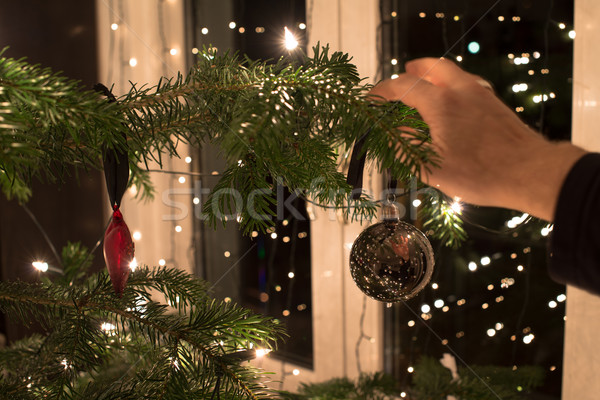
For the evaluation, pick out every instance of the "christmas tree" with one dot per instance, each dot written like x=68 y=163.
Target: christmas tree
x=284 y=123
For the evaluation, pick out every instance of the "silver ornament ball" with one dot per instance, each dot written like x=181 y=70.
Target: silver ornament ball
x=391 y=261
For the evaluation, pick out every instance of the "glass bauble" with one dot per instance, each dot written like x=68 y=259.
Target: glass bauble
x=391 y=261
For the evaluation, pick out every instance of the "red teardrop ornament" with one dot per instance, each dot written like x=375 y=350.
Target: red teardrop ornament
x=118 y=251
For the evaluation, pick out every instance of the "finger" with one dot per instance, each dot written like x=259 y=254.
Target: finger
x=440 y=72
x=407 y=88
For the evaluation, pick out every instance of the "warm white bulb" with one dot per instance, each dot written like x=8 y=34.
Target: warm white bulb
x=485 y=260
x=40 y=266
x=178 y=228
x=290 y=41
x=133 y=62
x=204 y=31
x=181 y=179
x=302 y=25
x=291 y=275
x=262 y=352
x=162 y=262
x=133 y=264
x=137 y=235
x=232 y=25
x=114 y=26
x=188 y=159
x=173 y=52
x=296 y=372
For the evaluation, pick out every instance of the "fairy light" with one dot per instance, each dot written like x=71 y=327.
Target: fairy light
x=422 y=15
x=561 y=25
x=291 y=275
x=137 y=235
x=227 y=254
x=491 y=332
x=259 y=29
x=519 y=87
x=499 y=326
x=459 y=58
x=162 y=262
x=572 y=34
x=411 y=323
x=242 y=29
x=178 y=228
x=547 y=229
x=188 y=160
x=114 y=26
x=133 y=62
x=273 y=235
x=204 y=31
x=296 y=372
x=501 y=18
x=173 y=52
x=302 y=25
x=434 y=286
x=439 y=303
x=552 y=304
x=410 y=370
x=394 y=76
x=290 y=41
x=262 y=352
x=181 y=179
x=456 y=206
x=425 y=308
x=107 y=327
x=133 y=264
x=528 y=338
x=394 y=61
x=485 y=260
x=561 y=297
x=472 y=266
x=232 y=25
x=40 y=266
x=416 y=203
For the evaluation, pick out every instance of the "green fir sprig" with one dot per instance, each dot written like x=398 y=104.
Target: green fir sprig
x=96 y=345
x=275 y=123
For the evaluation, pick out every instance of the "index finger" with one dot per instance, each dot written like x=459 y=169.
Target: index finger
x=440 y=72
x=407 y=88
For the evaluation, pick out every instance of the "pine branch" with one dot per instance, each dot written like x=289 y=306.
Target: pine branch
x=274 y=123
x=184 y=343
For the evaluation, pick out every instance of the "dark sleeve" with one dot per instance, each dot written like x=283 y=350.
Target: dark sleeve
x=574 y=247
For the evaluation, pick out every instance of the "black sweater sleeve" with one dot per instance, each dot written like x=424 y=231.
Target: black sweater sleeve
x=574 y=248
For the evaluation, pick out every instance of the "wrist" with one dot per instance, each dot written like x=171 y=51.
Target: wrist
x=541 y=176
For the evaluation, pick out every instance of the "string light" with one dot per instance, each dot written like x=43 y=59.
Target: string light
x=227 y=254
x=133 y=264
x=262 y=352
x=425 y=308
x=290 y=41
x=173 y=52
x=242 y=29
x=472 y=266
x=133 y=62
x=500 y=18
x=572 y=34
x=181 y=179
x=528 y=339
x=473 y=47
x=40 y=266
x=296 y=372
x=410 y=370
x=491 y=332
x=561 y=298
x=162 y=262
x=137 y=235
x=178 y=228
x=232 y=25
x=204 y=31
x=552 y=304
x=302 y=25
x=485 y=260
x=291 y=275
x=114 y=26
x=561 y=25
x=439 y=303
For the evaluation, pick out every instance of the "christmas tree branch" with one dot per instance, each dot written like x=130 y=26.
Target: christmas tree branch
x=281 y=122
x=199 y=334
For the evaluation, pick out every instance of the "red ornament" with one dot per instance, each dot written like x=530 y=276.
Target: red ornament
x=118 y=251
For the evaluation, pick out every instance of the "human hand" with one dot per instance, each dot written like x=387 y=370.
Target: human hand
x=488 y=155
